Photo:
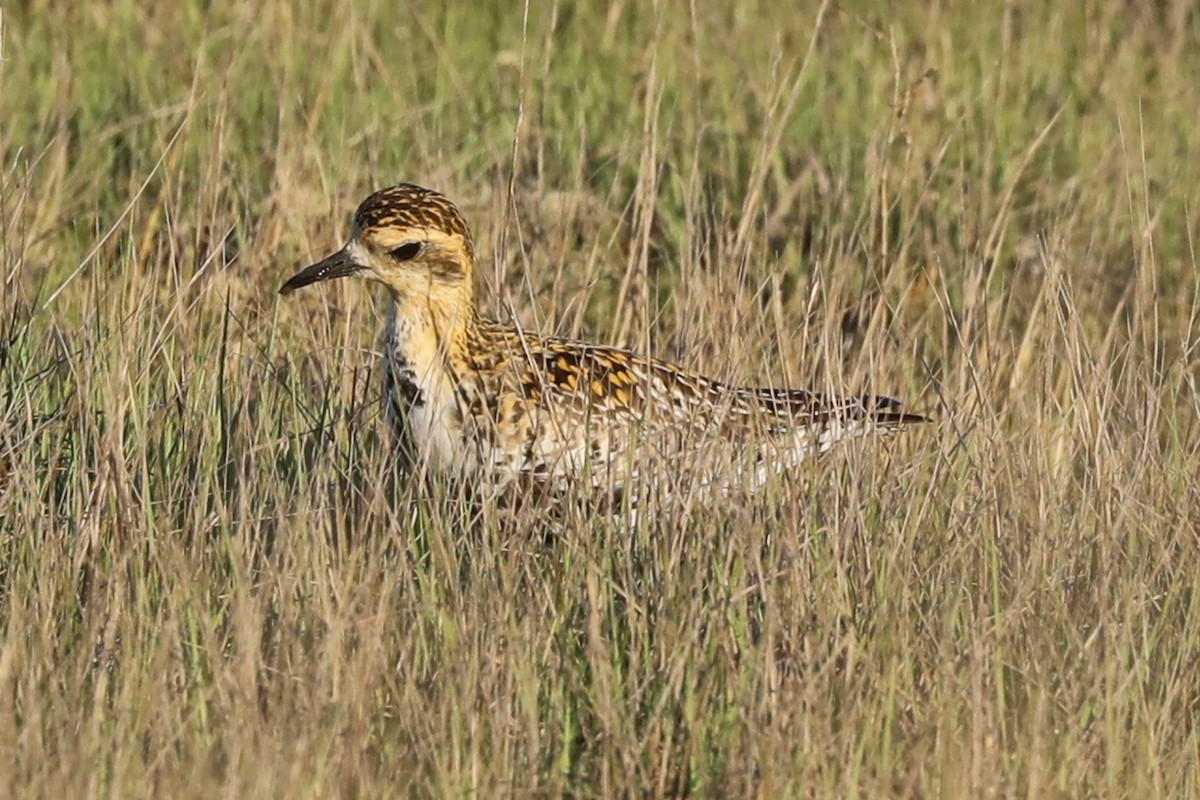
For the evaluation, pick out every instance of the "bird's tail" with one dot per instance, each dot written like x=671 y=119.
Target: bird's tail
x=885 y=412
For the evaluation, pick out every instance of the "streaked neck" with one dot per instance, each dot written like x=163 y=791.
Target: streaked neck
x=430 y=334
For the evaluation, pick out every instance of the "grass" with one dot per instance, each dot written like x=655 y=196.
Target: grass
x=212 y=585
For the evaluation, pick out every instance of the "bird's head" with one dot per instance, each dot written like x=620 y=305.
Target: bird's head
x=410 y=239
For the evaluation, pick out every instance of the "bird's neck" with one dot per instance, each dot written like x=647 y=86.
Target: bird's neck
x=429 y=336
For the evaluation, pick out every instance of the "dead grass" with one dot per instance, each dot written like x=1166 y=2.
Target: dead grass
x=211 y=584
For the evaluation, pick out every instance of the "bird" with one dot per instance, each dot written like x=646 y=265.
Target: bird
x=512 y=411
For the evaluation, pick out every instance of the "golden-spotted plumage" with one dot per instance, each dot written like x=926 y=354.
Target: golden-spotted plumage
x=502 y=407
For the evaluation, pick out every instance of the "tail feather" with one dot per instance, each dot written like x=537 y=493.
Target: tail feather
x=885 y=411
x=835 y=420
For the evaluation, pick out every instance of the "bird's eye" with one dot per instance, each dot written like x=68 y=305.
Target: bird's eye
x=406 y=251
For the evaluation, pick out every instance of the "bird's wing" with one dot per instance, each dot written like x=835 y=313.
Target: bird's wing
x=593 y=405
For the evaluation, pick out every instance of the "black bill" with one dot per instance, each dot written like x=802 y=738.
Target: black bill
x=338 y=265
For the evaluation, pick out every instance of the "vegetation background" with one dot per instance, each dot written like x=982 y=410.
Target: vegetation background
x=212 y=584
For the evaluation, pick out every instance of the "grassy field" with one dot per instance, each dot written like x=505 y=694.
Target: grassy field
x=212 y=585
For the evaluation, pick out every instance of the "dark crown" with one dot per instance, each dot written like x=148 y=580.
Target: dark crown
x=410 y=206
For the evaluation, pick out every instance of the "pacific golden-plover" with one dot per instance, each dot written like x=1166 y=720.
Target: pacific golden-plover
x=516 y=411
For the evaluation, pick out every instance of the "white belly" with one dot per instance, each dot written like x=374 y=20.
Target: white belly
x=435 y=434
